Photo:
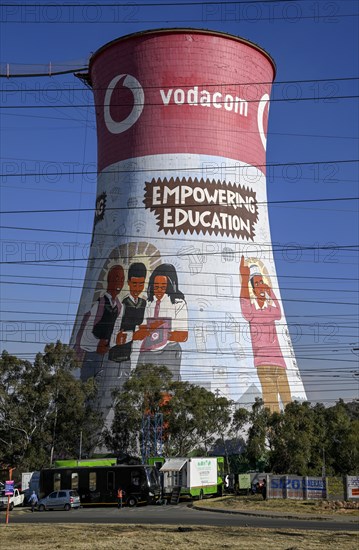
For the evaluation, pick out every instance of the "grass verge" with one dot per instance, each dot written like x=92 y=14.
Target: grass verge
x=159 y=537
x=315 y=507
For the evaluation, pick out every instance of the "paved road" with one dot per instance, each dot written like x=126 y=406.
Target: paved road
x=171 y=515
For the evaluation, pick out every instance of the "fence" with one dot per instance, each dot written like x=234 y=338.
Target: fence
x=312 y=488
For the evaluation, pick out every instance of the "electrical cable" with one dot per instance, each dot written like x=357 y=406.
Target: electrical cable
x=84 y=105
x=180 y=169
x=207 y=85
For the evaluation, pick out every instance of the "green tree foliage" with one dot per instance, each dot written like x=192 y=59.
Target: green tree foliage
x=293 y=437
x=196 y=417
x=302 y=440
x=312 y=440
x=192 y=416
x=43 y=409
x=240 y=419
x=143 y=393
x=342 y=445
x=257 y=443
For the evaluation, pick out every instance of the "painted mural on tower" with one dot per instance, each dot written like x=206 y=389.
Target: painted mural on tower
x=181 y=270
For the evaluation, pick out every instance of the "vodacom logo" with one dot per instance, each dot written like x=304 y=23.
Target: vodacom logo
x=130 y=82
x=260 y=117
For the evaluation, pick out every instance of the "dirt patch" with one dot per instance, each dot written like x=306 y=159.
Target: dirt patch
x=158 y=537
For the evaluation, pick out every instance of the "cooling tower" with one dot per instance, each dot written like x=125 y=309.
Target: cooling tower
x=181 y=270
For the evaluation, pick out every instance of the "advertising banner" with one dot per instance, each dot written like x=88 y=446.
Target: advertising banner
x=352 y=483
x=9 y=488
x=202 y=472
x=316 y=487
x=181 y=270
x=297 y=487
x=244 y=481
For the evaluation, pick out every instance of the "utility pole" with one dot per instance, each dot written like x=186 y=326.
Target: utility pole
x=8 y=497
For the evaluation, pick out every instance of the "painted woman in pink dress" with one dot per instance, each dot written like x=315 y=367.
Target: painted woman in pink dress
x=261 y=312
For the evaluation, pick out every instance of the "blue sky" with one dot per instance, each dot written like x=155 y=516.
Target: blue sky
x=46 y=141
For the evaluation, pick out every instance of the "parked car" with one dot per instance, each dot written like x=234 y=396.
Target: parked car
x=17 y=499
x=62 y=500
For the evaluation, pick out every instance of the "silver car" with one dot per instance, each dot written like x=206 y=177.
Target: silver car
x=62 y=500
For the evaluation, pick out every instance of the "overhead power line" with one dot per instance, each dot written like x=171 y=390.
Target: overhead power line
x=60 y=314
x=181 y=169
x=193 y=284
x=82 y=267
x=325 y=336
x=146 y=4
x=215 y=352
x=54 y=210
x=94 y=286
x=267 y=247
x=297 y=17
x=147 y=104
x=320 y=280
x=350 y=247
x=179 y=85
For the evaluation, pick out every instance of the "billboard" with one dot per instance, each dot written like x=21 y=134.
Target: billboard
x=202 y=472
x=181 y=270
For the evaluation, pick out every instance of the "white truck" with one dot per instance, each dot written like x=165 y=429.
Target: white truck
x=29 y=483
x=17 y=499
x=192 y=477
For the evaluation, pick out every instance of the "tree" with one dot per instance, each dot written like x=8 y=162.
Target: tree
x=240 y=419
x=312 y=440
x=192 y=416
x=43 y=408
x=236 y=446
x=257 y=442
x=343 y=438
x=196 y=418
x=293 y=434
x=15 y=432
x=142 y=394
x=71 y=409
